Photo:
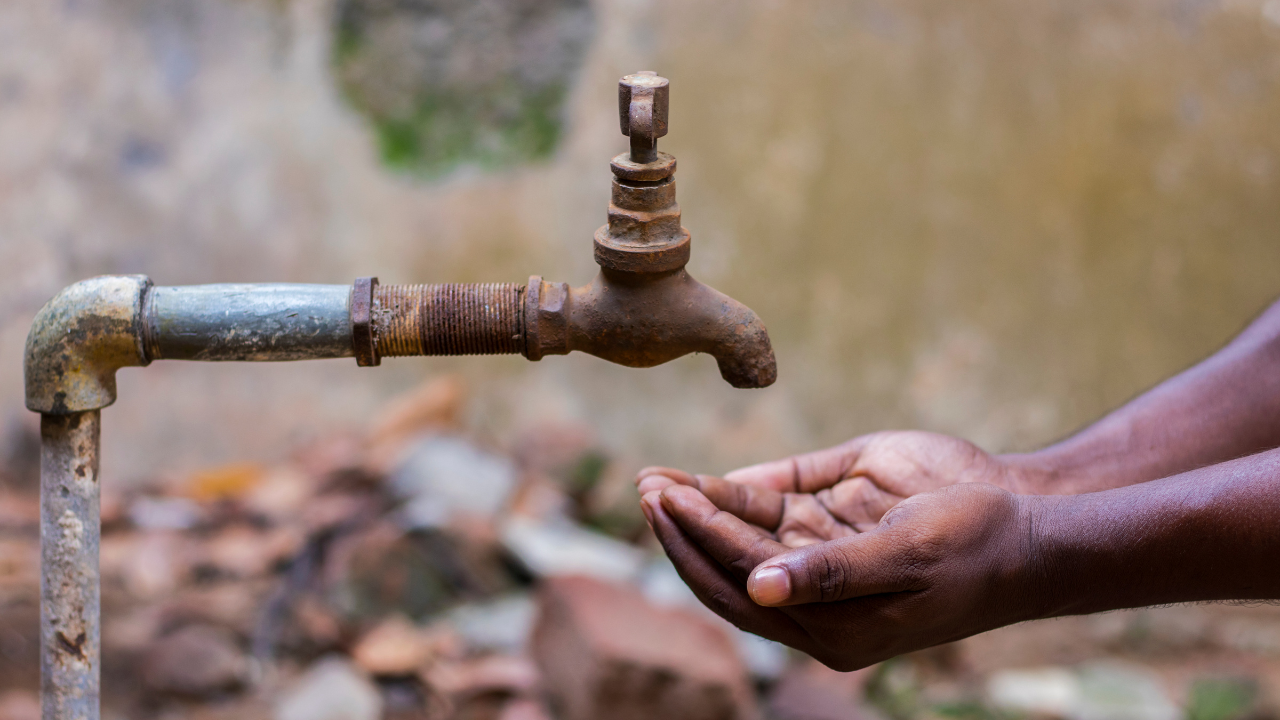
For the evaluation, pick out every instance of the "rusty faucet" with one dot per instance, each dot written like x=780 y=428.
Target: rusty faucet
x=643 y=309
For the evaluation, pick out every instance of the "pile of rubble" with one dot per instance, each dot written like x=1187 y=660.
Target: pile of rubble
x=416 y=573
x=410 y=573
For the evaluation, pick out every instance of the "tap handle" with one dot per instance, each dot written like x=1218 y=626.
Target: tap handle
x=643 y=99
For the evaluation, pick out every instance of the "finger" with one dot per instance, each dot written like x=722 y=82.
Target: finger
x=809 y=472
x=734 y=544
x=653 y=483
x=655 y=478
x=755 y=505
x=676 y=474
x=714 y=587
x=856 y=566
x=758 y=506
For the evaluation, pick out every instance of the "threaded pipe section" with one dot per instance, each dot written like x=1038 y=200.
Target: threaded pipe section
x=448 y=319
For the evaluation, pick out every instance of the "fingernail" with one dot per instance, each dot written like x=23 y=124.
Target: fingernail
x=648 y=514
x=769 y=586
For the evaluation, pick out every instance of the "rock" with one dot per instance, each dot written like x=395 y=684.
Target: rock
x=663 y=586
x=148 y=565
x=224 y=482
x=164 y=513
x=382 y=570
x=318 y=623
x=431 y=407
x=245 y=552
x=812 y=691
x=604 y=651
x=1099 y=691
x=19 y=705
x=281 y=494
x=458 y=680
x=394 y=647
x=558 y=547
x=197 y=660
x=524 y=709
x=1120 y=691
x=446 y=476
x=331 y=690
x=501 y=625
x=1050 y=691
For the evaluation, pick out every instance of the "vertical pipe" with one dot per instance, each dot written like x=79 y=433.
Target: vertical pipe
x=70 y=661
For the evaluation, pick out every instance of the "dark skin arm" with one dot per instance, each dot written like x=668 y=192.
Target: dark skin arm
x=968 y=558
x=1226 y=407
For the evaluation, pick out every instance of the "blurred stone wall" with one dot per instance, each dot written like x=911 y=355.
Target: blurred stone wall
x=994 y=219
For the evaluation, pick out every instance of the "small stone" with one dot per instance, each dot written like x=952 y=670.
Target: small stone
x=446 y=476
x=431 y=407
x=1098 y=691
x=662 y=586
x=245 y=552
x=164 y=513
x=1049 y=691
x=19 y=705
x=197 y=660
x=501 y=625
x=394 y=647
x=810 y=690
x=509 y=674
x=559 y=547
x=604 y=651
x=331 y=690
x=1121 y=691
x=281 y=495
x=524 y=709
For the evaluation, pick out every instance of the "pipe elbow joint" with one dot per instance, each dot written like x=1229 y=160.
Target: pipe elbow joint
x=79 y=339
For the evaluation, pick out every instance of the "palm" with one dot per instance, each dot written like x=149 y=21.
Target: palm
x=843 y=490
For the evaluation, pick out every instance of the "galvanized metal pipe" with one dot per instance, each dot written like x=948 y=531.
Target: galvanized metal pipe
x=70 y=658
x=242 y=322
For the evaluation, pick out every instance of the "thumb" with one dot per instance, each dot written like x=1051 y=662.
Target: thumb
x=850 y=567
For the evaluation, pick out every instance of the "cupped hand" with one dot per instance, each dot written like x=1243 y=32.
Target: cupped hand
x=939 y=566
x=848 y=488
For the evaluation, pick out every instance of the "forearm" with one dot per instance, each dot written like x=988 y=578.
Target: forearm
x=1208 y=534
x=1226 y=407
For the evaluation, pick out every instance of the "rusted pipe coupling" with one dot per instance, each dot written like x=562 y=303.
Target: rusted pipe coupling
x=546 y=318
x=643 y=233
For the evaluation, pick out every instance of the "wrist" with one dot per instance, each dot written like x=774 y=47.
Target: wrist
x=1039 y=588
x=1032 y=474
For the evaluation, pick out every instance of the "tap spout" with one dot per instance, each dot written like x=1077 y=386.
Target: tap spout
x=646 y=319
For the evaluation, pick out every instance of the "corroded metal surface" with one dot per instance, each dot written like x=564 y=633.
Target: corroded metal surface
x=643 y=101
x=646 y=319
x=77 y=342
x=70 y=661
x=448 y=319
x=240 y=322
x=362 y=340
x=643 y=309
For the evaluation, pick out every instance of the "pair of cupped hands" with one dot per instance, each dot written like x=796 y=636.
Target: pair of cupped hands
x=888 y=543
